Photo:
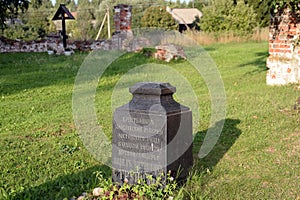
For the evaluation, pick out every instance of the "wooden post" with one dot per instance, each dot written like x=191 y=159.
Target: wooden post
x=101 y=26
x=63 y=32
x=108 y=22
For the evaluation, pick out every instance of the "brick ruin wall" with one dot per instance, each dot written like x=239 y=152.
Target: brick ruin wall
x=12 y=46
x=118 y=42
x=284 y=52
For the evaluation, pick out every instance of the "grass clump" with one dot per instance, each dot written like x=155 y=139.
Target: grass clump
x=148 y=188
x=204 y=38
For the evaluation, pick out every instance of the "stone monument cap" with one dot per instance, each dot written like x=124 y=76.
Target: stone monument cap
x=152 y=88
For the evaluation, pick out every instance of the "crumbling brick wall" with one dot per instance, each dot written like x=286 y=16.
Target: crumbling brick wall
x=122 y=17
x=284 y=52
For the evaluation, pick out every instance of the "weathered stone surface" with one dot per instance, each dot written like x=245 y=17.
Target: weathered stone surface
x=117 y=42
x=152 y=135
x=284 y=54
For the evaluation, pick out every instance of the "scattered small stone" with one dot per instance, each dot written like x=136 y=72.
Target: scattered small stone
x=81 y=198
x=297 y=105
x=97 y=192
x=125 y=180
x=84 y=194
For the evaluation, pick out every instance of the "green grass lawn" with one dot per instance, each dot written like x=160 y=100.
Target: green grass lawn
x=42 y=156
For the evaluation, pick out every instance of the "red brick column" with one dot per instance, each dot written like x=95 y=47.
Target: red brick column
x=122 y=18
x=283 y=61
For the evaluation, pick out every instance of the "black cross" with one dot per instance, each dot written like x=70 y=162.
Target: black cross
x=63 y=14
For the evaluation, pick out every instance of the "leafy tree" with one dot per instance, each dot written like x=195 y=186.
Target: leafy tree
x=157 y=16
x=36 y=3
x=84 y=4
x=265 y=8
x=47 y=5
x=34 y=23
x=199 y=4
x=58 y=2
x=224 y=15
x=281 y=3
x=175 y=4
x=10 y=9
x=139 y=7
x=262 y=10
x=83 y=28
x=278 y=6
x=72 y=6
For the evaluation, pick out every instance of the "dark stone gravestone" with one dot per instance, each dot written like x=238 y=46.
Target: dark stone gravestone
x=152 y=136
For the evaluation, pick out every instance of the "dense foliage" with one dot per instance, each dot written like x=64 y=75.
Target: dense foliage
x=262 y=11
x=266 y=8
x=33 y=24
x=156 y=16
x=223 y=15
x=9 y=9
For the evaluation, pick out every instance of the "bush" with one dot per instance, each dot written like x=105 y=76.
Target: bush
x=224 y=15
x=157 y=16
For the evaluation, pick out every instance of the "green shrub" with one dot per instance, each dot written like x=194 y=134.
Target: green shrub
x=158 y=17
x=224 y=16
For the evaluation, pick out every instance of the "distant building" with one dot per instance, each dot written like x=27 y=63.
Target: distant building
x=185 y=17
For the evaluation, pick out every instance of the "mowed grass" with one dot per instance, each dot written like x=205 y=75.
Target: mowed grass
x=42 y=156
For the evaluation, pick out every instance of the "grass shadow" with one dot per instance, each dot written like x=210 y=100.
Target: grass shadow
x=206 y=48
x=229 y=135
x=25 y=71
x=125 y=63
x=65 y=186
x=260 y=62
